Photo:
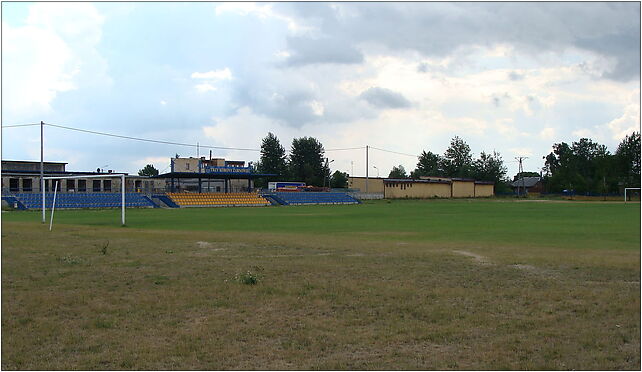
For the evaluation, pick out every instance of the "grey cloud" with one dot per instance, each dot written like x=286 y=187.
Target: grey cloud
x=514 y=76
x=422 y=67
x=441 y=29
x=385 y=98
x=306 y=51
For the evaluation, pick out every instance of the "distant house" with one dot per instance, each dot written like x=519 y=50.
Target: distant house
x=531 y=184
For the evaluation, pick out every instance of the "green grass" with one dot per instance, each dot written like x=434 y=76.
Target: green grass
x=443 y=284
x=579 y=225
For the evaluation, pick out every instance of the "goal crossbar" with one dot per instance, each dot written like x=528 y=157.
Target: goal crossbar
x=109 y=175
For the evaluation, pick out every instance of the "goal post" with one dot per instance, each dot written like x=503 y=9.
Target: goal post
x=627 y=189
x=108 y=175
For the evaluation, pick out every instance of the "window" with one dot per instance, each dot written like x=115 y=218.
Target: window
x=71 y=185
x=96 y=186
x=107 y=185
x=138 y=185
x=186 y=166
x=26 y=185
x=82 y=185
x=218 y=188
x=14 y=184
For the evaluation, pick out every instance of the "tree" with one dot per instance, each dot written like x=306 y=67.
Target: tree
x=272 y=156
x=627 y=157
x=148 y=171
x=398 y=172
x=489 y=167
x=339 y=180
x=429 y=164
x=273 y=159
x=307 y=163
x=585 y=166
x=458 y=159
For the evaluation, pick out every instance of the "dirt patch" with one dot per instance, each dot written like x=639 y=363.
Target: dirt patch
x=477 y=257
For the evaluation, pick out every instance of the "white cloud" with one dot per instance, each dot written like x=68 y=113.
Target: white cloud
x=163 y=102
x=210 y=78
x=224 y=74
x=317 y=108
x=53 y=52
x=159 y=162
x=625 y=124
x=547 y=133
x=262 y=11
x=205 y=87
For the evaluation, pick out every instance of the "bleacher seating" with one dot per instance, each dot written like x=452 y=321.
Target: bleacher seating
x=84 y=200
x=12 y=201
x=217 y=199
x=300 y=198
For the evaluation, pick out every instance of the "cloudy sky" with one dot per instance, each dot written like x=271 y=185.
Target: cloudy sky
x=406 y=77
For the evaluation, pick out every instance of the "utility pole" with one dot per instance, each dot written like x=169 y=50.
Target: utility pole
x=521 y=172
x=366 y=169
x=42 y=169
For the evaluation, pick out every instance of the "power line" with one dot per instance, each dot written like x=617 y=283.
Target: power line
x=347 y=148
x=184 y=144
x=394 y=152
x=19 y=125
x=147 y=140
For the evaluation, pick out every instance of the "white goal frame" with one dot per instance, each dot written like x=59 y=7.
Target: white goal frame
x=629 y=188
x=107 y=175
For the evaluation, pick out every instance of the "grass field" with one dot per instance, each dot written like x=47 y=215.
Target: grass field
x=443 y=284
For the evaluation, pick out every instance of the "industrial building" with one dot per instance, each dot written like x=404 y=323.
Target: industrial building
x=425 y=187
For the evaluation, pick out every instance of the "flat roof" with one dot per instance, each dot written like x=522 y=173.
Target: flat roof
x=214 y=175
x=410 y=180
x=370 y=178
x=6 y=172
x=33 y=161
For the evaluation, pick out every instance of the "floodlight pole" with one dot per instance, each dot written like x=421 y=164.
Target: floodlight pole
x=122 y=197
x=42 y=171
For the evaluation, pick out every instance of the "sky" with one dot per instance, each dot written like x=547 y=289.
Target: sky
x=514 y=78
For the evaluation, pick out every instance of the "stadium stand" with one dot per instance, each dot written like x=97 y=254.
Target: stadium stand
x=164 y=199
x=217 y=199
x=300 y=198
x=13 y=202
x=85 y=200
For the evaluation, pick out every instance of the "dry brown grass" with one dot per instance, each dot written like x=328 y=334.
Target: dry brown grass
x=167 y=300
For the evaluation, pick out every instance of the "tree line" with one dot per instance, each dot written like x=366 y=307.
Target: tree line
x=307 y=163
x=584 y=166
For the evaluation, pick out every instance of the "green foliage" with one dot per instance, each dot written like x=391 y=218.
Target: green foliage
x=458 y=159
x=307 y=163
x=489 y=167
x=273 y=159
x=249 y=277
x=398 y=172
x=148 y=171
x=429 y=164
x=627 y=158
x=586 y=167
x=103 y=249
x=70 y=260
x=339 y=180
